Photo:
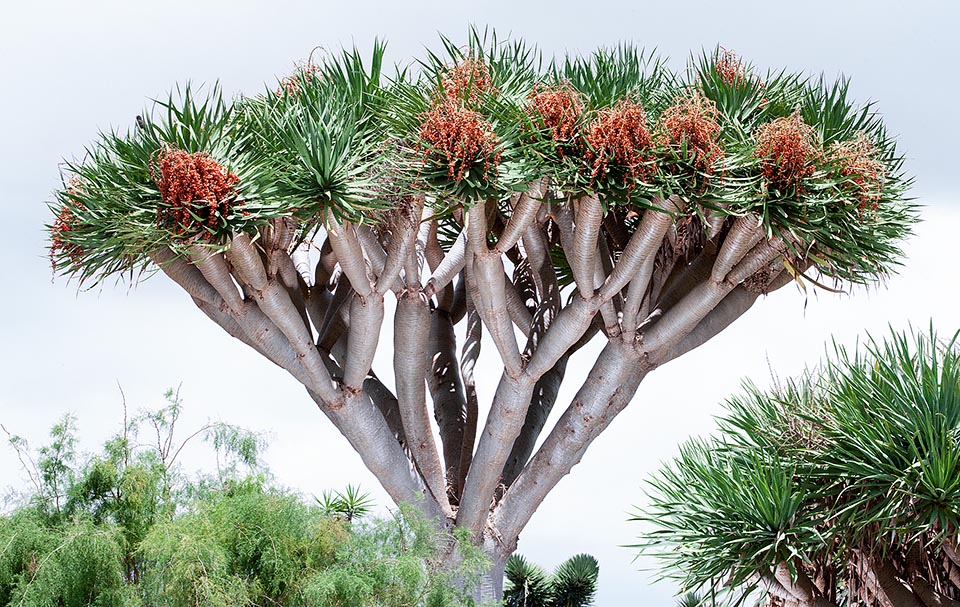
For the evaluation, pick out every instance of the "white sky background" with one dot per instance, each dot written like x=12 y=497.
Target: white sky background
x=69 y=69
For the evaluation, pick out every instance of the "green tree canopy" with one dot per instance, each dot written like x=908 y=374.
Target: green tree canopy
x=128 y=527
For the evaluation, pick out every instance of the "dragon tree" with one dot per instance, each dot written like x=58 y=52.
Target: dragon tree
x=485 y=190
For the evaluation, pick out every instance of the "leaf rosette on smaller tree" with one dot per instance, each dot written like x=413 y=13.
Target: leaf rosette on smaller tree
x=840 y=487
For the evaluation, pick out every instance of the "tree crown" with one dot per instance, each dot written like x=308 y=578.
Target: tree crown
x=337 y=138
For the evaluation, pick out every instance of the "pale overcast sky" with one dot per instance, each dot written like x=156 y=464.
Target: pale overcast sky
x=71 y=68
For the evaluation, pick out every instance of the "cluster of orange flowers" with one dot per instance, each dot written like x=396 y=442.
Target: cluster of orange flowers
x=786 y=150
x=730 y=68
x=467 y=81
x=63 y=224
x=620 y=136
x=195 y=190
x=858 y=165
x=458 y=137
x=453 y=134
x=559 y=109
x=692 y=120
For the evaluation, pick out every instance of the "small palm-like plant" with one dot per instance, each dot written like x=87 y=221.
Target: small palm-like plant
x=690 y=599
x=348 y=504
x=841 y=487
x=573 y=583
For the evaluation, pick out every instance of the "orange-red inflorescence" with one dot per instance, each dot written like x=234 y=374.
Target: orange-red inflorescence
x=619 y=136
x=192 y=185
x=63 y=225
x=467 y=81
x=558 y=108
x=291 y=84
x=858 y=165
x=730 y=67
x=786 y=150
x=692 y=121
x=459 y=138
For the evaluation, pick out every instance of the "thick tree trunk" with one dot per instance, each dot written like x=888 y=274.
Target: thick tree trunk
x=491 y=585
x=488 y=588
x=328 y=342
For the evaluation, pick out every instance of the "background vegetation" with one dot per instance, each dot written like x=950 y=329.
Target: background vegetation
x=128 y=526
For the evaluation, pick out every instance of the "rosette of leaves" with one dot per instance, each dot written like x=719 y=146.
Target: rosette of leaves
x=739 y=511
x=182 y=175
x=572 y=584
x=744 y=97
x=817 y=169
x=698 y=162
x=318 y=138
x=459 y=123
x=892 y=458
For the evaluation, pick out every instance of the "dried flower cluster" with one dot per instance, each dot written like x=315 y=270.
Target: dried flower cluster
x=195 y=189
x=63 y=225
x=786 y=150
x=730 y=68
x=559 y=109
x=467 y=81
x=858 y=166
x=458 y=138
x=619 y=136
x=692 y=121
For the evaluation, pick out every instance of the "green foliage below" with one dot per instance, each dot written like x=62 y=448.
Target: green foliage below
x=72 y=565
x=127 y=527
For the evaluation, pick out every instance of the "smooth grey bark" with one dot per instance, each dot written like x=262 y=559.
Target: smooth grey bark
x=450 y=267
x=409 y=343
x=545 y=394
x=447 y=393
x=346 y=245
x=524 y=213
x=610 y=385
x=387 y=403
x=582 y=256
x=468 y=362
x=214 y=268
x=364 y=427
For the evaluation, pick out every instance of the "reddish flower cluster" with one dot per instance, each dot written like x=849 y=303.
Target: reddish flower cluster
x=559 y=109
x=195 y=190
x=730 y=68
x=459 y=138
x=467 y=81
x=858 y=165
x=619 y=136
x=291 y=84
x=63 y=225
x=692 y=120
x=786 y=150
